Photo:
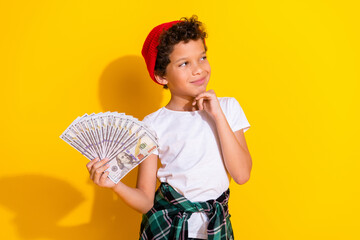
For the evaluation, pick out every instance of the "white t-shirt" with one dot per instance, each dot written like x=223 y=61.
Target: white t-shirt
x=190 y=154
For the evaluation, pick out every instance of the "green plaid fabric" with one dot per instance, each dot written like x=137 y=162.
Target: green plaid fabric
x=167 y=219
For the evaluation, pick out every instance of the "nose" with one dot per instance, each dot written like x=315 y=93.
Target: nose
x=196 y=69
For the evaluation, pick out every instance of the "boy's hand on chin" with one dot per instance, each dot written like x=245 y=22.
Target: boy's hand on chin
x=208 y=101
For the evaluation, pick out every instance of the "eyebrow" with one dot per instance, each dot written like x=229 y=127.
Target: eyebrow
x=180 y=59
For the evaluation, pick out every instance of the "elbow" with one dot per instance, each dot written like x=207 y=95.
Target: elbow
x=143 y=210
x=244 y=176
x=242 y=179
x=146 y=208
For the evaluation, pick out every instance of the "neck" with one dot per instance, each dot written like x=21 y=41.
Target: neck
x=181 y=104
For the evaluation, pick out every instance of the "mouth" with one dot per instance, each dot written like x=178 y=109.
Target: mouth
x=199 y=81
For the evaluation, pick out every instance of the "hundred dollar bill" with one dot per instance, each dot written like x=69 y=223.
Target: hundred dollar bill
x=136 y=152
x=72 y=139
x=112 y=135
x=130 y=132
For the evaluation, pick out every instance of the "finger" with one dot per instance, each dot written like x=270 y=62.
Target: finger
x=100 y=163
x=201 y=95
x=103 y=178
x=207 y=96
x=91 y=163
x=200 y=104
x=96 y=176
x=92 y=173
x=99 y=172
x=96 y=166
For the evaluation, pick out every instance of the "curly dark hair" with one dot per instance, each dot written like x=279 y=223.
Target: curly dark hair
x=186 y=30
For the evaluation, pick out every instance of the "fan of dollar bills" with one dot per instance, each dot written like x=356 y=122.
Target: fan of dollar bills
x=121 y=138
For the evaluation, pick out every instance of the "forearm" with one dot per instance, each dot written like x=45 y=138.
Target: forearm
x=236 y=158
x=134 y=197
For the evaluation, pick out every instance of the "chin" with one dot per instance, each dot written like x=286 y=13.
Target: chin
x=204 y=86
x=199 y=90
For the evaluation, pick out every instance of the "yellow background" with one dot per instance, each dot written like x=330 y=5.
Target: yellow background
x=292 y=65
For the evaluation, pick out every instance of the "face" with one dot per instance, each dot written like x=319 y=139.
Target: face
x=188 y=72
x=124 y=158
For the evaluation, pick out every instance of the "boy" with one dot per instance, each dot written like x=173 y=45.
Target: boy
x=201 y=143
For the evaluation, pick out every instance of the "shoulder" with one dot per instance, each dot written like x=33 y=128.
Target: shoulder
x=227 y=99
x=228 y=103
x=155 y=119
x=234 y=113
x=150 y=117
x=149 y=122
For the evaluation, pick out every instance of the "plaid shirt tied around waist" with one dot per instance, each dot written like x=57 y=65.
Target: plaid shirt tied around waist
x=167 y=219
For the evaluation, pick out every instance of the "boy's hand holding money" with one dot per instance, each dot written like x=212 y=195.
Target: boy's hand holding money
x=114 y=136
x=96 y=169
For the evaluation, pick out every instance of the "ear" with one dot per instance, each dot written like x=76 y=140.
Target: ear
x=161 y=80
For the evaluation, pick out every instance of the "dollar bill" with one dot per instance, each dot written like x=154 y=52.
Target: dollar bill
x=131 y=156
x=121 y=138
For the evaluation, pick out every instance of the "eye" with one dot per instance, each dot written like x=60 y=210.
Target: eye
x=183 y=64
x=203 y=58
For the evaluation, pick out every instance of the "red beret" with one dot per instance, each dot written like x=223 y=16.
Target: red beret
x=149 y=50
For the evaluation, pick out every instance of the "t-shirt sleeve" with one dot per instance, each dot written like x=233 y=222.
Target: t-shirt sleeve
x=147 y=123
x=236 y=116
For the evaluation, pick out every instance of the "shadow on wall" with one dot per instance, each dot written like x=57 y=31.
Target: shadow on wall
x=125 y=86
x=40 y=202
